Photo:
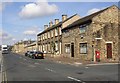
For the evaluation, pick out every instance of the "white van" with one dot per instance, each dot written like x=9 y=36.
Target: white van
x=4 y=49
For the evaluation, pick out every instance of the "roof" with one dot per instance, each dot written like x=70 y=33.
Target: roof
x=85 y=19
x=56 y=25
x=32 y=44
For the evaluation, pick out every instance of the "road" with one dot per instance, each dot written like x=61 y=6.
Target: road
x=20 y=68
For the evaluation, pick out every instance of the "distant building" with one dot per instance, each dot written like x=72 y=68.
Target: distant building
x=50 y=40
x=19 y=47
x=98 y=32
x=31 y=47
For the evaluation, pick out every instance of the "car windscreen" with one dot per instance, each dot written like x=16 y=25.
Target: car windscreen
x=4 y=47
x=31 y=52
x=39 y=52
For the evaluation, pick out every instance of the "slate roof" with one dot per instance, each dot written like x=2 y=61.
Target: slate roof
x=85 y=19
x=56 y=25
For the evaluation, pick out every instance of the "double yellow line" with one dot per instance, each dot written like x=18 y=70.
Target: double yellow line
x=4 y=77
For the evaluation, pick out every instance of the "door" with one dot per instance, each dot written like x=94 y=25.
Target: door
x=72 y=49
x=109 y=50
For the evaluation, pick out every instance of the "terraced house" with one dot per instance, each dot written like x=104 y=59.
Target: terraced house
x=19 y=47
x=95 y=33
x=50 y=40
x=31 y=46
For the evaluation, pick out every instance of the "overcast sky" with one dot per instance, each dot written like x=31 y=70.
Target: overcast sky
x=24 y=20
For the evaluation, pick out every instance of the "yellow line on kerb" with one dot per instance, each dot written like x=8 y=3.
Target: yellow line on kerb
x=4 y=77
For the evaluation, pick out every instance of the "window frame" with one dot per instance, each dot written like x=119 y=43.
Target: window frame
x=66 y=47
x=86 y=51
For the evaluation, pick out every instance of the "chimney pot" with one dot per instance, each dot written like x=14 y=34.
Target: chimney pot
x=45 y=27
x=56 y=21
x=64 y=17
x=50 y=24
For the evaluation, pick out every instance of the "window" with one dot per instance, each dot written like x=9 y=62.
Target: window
x=67 y=48
x=83 y=48
x=66 y=33
x=98 y=35
x=83 y=28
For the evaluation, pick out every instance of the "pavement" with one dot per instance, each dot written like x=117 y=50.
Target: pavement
x=78 y=62
x=20 y=68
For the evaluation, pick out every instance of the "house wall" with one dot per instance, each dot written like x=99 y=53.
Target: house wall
x=74 y=36
x=106 y=23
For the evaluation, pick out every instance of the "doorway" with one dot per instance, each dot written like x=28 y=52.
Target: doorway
x=109 y=50
x=72 y=49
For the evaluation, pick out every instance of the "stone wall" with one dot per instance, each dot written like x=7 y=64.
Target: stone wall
x=106 y=23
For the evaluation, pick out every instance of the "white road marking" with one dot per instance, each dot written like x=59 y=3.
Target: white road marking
x=74 y=79
x=50 y=70
x=102 y=64
x=36 y=63
x=86 y=67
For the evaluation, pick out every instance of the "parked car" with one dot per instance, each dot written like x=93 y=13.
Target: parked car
x=30 y=54
x=38 y=54
x=26 y=54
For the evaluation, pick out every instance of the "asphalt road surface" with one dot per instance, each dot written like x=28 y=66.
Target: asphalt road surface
x=21 y=68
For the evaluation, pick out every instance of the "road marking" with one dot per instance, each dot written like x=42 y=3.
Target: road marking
x=102 y=64
x=36 y=63
x=4 y=77
x=50 y=70
x=86 y=67
x=74 y=79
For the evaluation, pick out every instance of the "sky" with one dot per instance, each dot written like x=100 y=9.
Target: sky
x=24 y=20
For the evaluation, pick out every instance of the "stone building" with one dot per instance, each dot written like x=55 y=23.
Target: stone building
x=31 y=47
x=96 y=32
x=49 y=41
x=19 y=47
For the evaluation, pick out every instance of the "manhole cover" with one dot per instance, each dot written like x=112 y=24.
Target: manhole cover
x=79 y=72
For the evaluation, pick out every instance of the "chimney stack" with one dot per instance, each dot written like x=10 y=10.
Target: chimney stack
x=56 y=21
x=45 y=27
x=64 y=17
x=50 y=24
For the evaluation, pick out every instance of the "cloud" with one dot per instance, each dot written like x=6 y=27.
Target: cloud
x=93 y=11
x=31 y=31
x=5 y=36
x=38 y=9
